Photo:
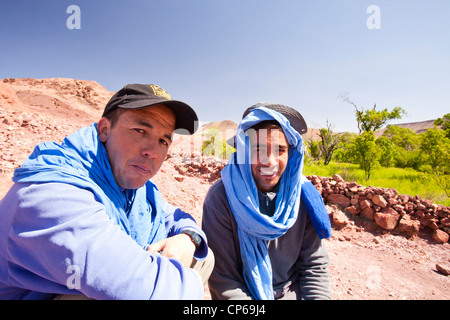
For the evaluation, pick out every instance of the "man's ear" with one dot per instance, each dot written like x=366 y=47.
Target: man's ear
x=103 y=127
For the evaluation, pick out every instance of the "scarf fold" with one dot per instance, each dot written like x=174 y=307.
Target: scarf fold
x=81 y=160
x=255 y=228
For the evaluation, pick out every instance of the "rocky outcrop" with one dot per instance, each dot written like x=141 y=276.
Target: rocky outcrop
x=386 y=207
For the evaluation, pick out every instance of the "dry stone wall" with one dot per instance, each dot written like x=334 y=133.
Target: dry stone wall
x=386 y=207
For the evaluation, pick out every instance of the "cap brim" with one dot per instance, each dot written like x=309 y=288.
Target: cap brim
x=186 y=122
x=186 y=119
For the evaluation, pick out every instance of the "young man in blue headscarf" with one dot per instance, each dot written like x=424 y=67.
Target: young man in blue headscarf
x=264 y=220
x=84 y=220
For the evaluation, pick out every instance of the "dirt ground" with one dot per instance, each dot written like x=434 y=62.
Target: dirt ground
x=376 y=266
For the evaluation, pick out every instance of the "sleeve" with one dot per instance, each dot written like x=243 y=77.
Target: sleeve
x=313 y=266
x=177 y=220
x=226 y=281
x=61 y=241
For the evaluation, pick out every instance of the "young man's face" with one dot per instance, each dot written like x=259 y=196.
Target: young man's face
x=269 y=157
x=138 y=143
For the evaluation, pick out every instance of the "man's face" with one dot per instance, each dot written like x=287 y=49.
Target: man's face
x=137 y=144
x=269 y=157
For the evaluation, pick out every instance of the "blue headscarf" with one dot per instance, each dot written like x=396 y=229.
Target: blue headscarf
x=255 y=228
x=82 y=161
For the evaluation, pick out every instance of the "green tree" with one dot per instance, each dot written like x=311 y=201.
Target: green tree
x=366 y=152
x=444 y=122
x=372 y=119
x=313 y=148
x=403 y=137
x=436 y=148
x=346 y=150
x=405 y=147
x=329 y=143
x=386 y=151
x=368 y=122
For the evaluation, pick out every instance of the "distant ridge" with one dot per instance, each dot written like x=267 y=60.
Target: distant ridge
x=417 y=127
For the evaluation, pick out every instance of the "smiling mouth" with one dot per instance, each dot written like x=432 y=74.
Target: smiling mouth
x=269 y=171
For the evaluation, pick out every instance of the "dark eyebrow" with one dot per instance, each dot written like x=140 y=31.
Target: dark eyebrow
x=149 y=125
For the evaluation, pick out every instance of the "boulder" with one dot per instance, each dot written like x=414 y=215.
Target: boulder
x=353 y=187
x=440 y=236
x=443 y=268
x=367 y=213
x=386 y=218
x=353 y=210
x=379 y=200
x=339 y=199
x=338 y=178
x=409 y=226
x=365 y=204
x=339 y=218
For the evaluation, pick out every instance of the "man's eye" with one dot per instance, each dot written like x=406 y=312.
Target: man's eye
x=164 y=142
x=141 y=131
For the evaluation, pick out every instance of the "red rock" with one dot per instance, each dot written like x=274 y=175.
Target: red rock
x=409 y=226
x=443 y=211
x=379 y=200
x=338 y=178
x=387 y=218
x=178 y=178
x=353 y=187
x=444 y=269
x=339 y=218
x=445 y=221
x=367 y=213
x=365 y=204
x=353 y=210
x=338 y=199
x=440 y=236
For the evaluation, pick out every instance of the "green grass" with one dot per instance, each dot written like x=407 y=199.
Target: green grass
x=405 y=181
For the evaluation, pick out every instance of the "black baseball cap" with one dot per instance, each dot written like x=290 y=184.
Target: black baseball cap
x=137 y=96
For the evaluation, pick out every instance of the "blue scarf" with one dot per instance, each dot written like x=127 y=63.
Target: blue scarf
x=255 y=228
x=82 y=161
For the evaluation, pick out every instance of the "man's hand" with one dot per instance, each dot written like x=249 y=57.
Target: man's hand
x=179 y=247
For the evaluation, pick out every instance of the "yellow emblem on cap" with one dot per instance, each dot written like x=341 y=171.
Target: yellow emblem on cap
x=160 y=92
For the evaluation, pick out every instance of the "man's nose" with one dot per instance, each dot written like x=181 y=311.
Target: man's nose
x=268 y=159
x=149 y=150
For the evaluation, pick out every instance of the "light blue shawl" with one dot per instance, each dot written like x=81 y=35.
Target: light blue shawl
x=81 y=160
x=255 y=228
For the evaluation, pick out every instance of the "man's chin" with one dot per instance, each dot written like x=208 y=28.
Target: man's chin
x=267 y=185
x=135 y=184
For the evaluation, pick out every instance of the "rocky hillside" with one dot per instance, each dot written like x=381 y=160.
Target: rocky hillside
x=37 y=110
x=368 y=261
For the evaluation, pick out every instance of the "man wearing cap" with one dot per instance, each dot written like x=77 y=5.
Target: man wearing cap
x=264 y=220
x=84 y=220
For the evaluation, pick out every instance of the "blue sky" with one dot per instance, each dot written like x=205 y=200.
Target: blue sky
x=222 y=56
